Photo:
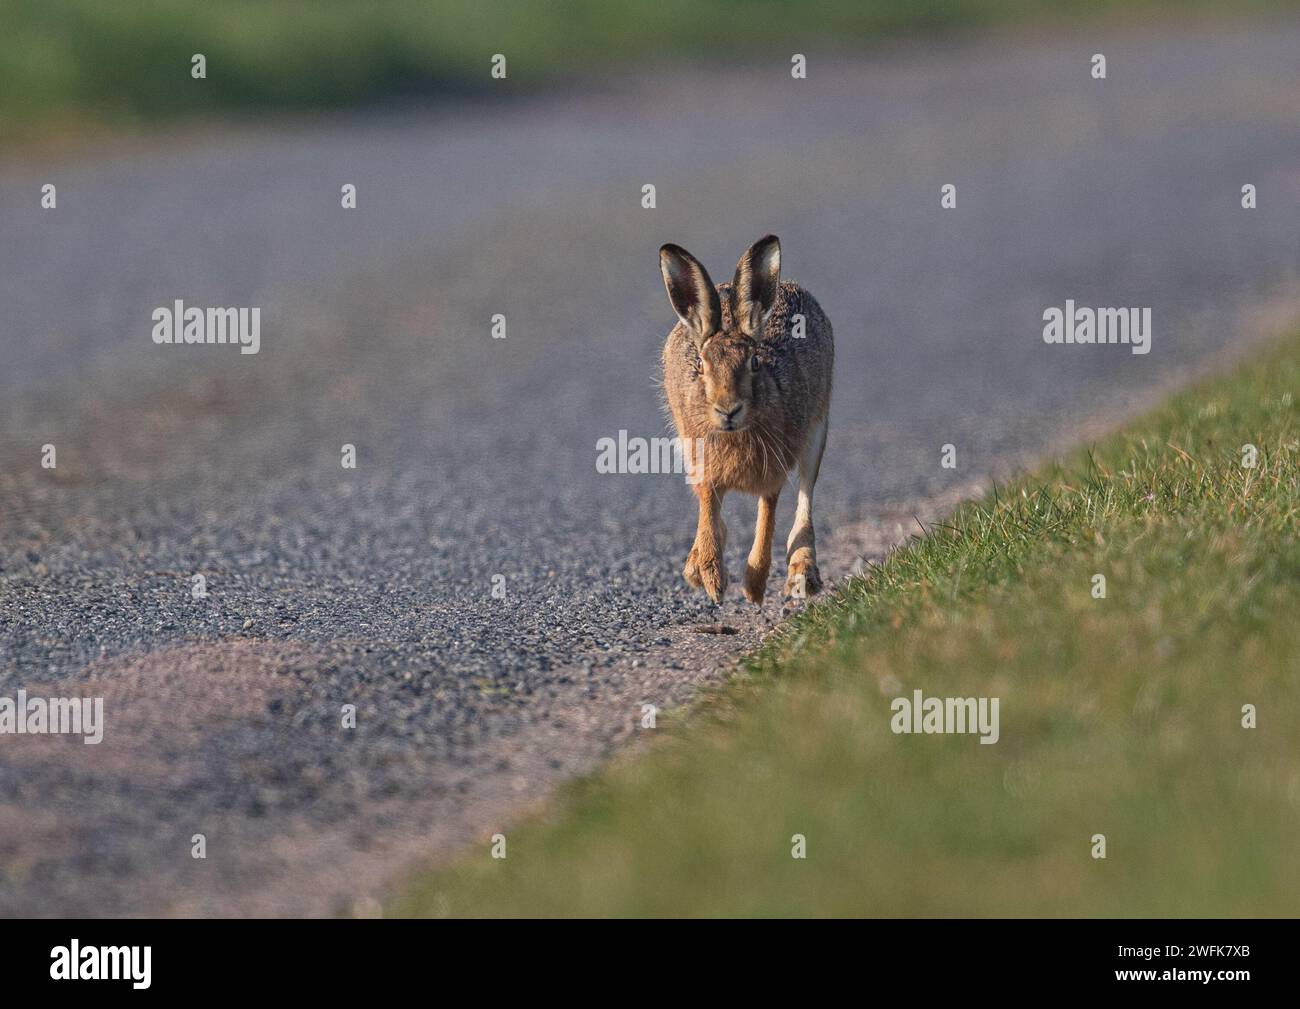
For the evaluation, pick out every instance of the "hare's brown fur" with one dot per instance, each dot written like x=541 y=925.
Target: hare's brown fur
x=741 y=383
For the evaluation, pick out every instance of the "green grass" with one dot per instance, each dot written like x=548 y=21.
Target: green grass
x=1119 y=716
x=73 y=61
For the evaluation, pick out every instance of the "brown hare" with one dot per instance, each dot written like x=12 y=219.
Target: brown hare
x=747 y=376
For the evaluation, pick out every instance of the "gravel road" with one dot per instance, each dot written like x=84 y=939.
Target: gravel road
x=476 y=456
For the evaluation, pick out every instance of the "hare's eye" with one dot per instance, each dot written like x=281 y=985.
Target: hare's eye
x=753 y=362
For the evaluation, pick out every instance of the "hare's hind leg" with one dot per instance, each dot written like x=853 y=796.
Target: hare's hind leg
x=760 y=555
x=802 y=577
x=704 y=568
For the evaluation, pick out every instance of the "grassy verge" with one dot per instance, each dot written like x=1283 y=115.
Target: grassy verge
x=1120 y=716
x=83 y=60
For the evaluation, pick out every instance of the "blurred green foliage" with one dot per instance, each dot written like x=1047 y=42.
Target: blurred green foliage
x=124 y=59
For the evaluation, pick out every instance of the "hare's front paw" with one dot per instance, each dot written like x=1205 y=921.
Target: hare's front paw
x=691 y=572
x=704 y=570
x=802 y=577
x=756 y=582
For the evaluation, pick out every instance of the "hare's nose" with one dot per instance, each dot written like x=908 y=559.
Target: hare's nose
x=727 y=415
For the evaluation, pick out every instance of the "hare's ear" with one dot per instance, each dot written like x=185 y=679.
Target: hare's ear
x=753 y=291
x=693 y=296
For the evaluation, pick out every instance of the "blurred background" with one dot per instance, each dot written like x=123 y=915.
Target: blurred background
x=66 y=61
x=476 y=457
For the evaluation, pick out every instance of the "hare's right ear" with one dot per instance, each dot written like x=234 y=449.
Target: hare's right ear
x=693 y=296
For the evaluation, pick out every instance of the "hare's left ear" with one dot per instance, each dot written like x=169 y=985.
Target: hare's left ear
x=753 y=291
